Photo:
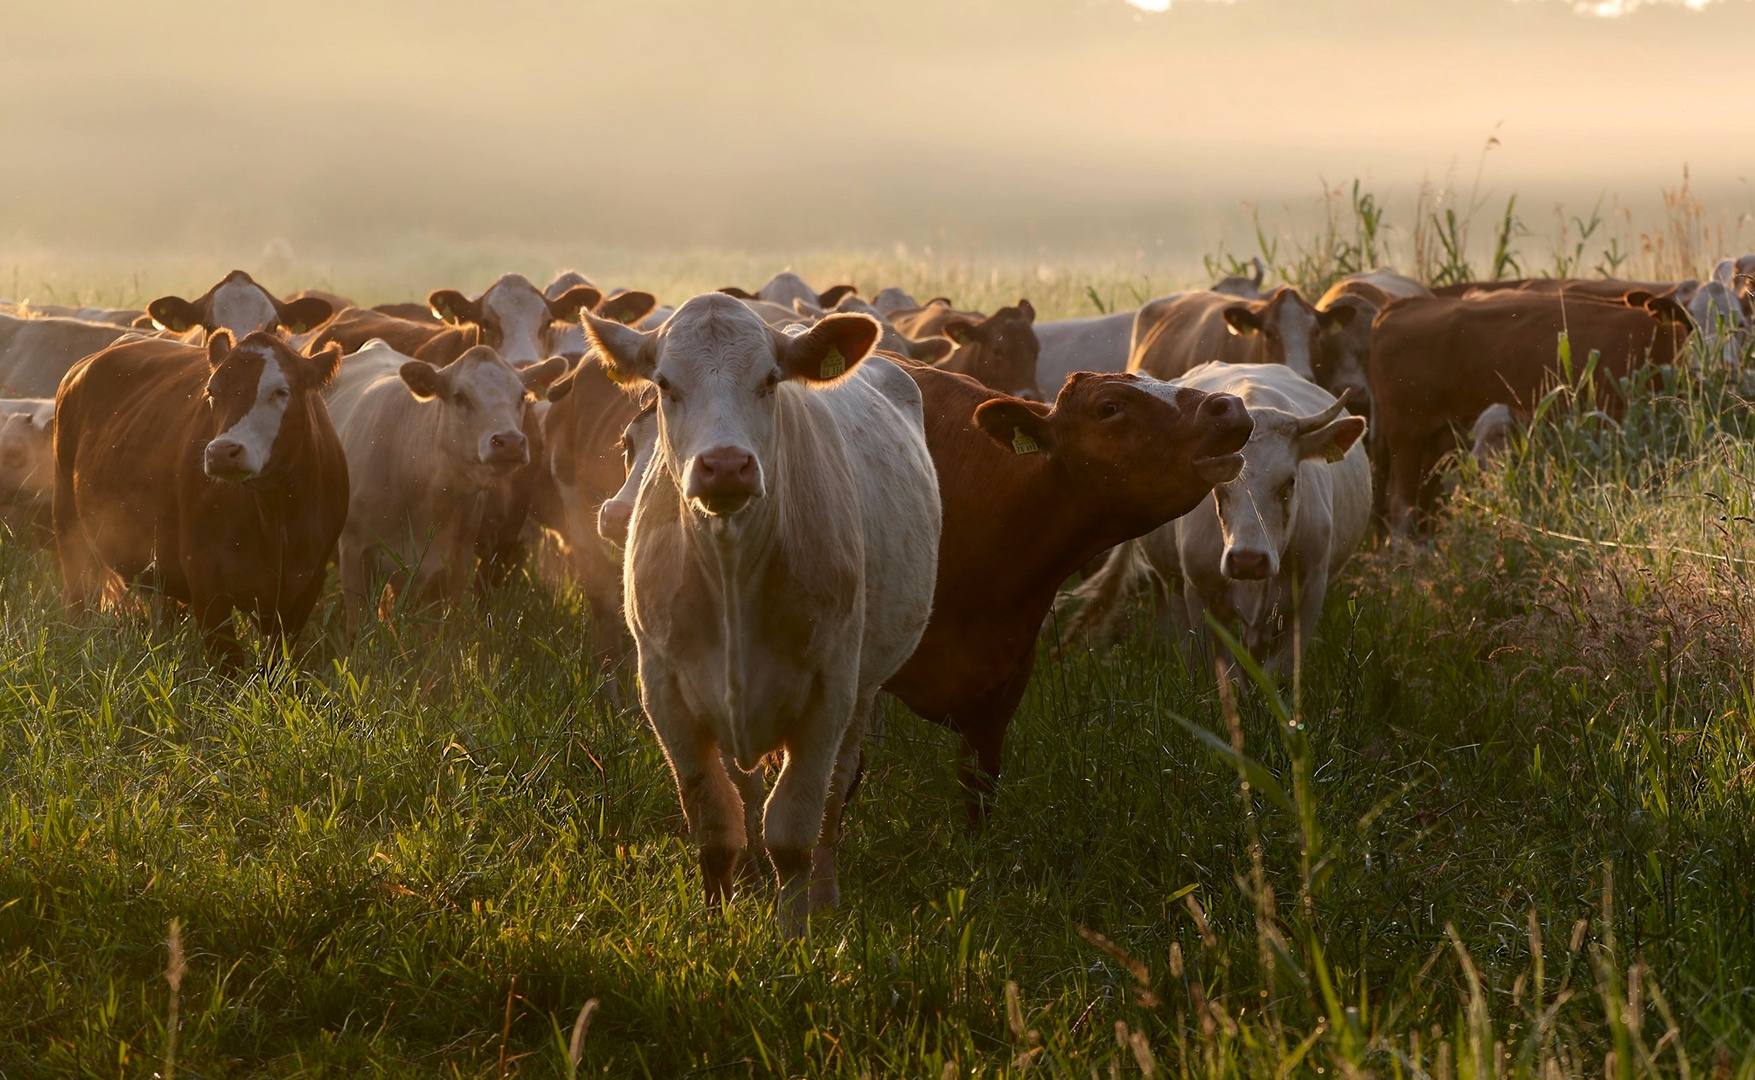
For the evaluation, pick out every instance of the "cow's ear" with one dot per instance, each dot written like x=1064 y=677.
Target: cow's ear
x=627 y=307
x=828 y=350
x=444 y=347
x=961 y=331
x=1028 y=309
x=174 y=313
x=741 y=294
x=1666 y=310
x=305 y=313
x=219 y=346
x=1337 y=318
x=423 y=379
x=801 y=306
x=1018 y=425
x=563 y=386
x=1331 y=441
x=834 y=294
x=566 y=307
x=930 y=350
x=1242 y=321
x=326 y=363
x=453 y=307
x=627 y=354
x=538 y=377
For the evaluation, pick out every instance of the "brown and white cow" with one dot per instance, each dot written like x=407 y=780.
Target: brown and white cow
x=998 y=350
x=780 y=567
x=1259 y=552
x=214 y=472
x=1437 y=364
x=238 y=304
x=1178 y=333
x=517 y=321
x=424 y=446
x=1031 y=494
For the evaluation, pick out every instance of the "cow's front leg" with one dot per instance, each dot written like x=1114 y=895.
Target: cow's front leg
x=709 y=799
x=824 y=892
x=793 y=821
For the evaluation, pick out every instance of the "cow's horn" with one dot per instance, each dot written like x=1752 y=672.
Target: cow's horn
x=1322 y=419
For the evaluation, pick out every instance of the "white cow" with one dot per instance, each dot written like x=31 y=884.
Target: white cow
x=1720 y=320
x=424 y=445
x=639 y=443
x=1263 y=547
x=36 y=352
x=1098 y=343
x=780 y=567
x=27 y=461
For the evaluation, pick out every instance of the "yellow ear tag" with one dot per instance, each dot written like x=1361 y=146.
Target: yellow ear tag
x=1022 y=443
x=833 y=364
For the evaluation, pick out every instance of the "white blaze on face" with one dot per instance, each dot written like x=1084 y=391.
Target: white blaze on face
x=522 y=316
x=260 y=426
x=243 y=308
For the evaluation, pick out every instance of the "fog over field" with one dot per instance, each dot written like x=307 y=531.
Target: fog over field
x=1018 y=127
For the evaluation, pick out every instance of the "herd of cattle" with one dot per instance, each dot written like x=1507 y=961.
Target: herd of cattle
x=791 y=499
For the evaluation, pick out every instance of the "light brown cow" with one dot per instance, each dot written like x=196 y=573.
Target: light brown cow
x=212 y=471
x=424 y=445
x=1173 y=335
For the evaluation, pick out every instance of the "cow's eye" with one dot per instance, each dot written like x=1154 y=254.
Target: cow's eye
x=769 y=384
x=665 y=388
x=460 y=400
x=1286 y=490
x=281 y=393
x=1107 y=409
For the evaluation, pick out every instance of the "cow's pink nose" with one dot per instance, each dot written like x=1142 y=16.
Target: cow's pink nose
x=723 y=479
x=508 y=446
x=613 y=519
x=225 y=456
x=1245 y=565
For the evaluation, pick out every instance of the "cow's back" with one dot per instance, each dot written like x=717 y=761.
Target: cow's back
x=36 y=353
x=1174 y=334
x=1099 y=343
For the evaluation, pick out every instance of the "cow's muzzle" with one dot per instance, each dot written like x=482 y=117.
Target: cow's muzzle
x=227 y=459
x=1227 y=425
x=506 y=449
x=613 y=519
x=1245 y=564
x=724 y=480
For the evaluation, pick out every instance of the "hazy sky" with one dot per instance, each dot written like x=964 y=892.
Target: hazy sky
x=684 y=122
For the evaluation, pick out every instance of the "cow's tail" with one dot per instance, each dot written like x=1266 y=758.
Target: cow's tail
x=1100 y=599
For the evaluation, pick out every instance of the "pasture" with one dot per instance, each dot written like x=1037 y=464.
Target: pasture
x=1500 y=823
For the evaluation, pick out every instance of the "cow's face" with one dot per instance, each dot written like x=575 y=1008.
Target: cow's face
x=480 y=400
x=1000 y=351
x=259 y=391
x=27 y=454
x=1719 y=317
x=1257 y=509
x=1288 y=330
x=1149 y=449
x=1344 y=349
x=719 y=371
x=516 y=320
x=241 y=306
x=638 y=445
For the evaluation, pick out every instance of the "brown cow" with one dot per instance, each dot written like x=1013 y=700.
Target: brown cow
x=213 y=470
x=1175 y=334
x=240 y=305
x=1436 y=364
x=998 y=350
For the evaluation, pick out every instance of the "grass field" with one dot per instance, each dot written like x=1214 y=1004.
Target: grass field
x=1503 y=825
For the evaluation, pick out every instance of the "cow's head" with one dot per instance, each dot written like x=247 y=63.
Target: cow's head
x=1148 y=450
x=720 y=372
x=1718 y=315
x=517 y=321
x=1258 y=508
x=1288 y=330
x=639 y=443
x=262 y=394
x=27 y=453
x=480 y=400
x=240 y=305
x=999 y=351
x=1344 y=349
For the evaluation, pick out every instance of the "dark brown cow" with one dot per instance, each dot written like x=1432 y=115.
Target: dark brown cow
x=1437 y=364
x=1031 y=493
x=240 y=305
x=999 y=350
x=1600 y=288
x=1175 y=334
x=212 y=470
